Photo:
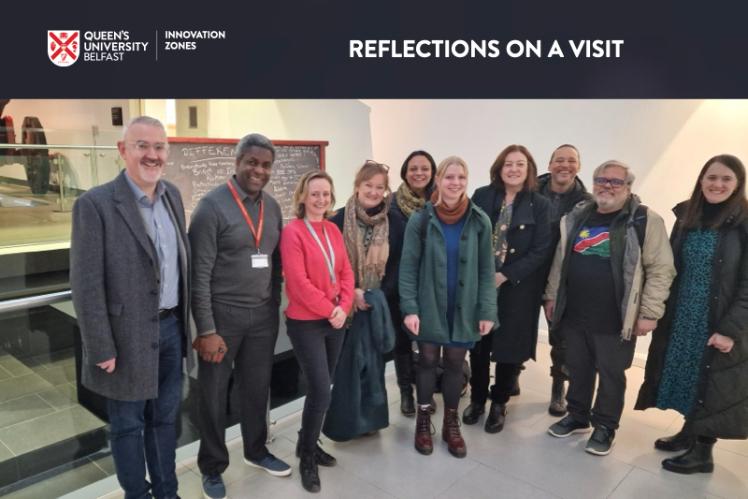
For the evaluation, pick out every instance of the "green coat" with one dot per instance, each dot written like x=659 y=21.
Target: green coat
x=423 y=277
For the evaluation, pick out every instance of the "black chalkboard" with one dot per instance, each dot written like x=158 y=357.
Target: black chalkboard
x=196 y=166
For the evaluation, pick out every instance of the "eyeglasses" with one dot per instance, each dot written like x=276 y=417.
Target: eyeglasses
x=375 y=163
x=615 y=183
x=143 y=147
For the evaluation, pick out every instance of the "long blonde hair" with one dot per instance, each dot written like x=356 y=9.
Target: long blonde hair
x=302 y=189
x=441 y=170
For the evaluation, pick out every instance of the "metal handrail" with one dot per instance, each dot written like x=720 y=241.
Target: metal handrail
x=54 y=146
x=34 y=301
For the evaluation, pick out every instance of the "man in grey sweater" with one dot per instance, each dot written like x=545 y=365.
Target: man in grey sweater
x=235 y=233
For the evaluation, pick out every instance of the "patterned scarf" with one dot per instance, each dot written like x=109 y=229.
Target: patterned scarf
x=368 y=246
x=408 y=201
x=450 y=215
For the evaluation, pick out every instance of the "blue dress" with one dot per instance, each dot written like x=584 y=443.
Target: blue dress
x=689 y=331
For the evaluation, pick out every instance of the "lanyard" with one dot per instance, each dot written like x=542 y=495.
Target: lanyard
x=329 y=260
x=258 y=233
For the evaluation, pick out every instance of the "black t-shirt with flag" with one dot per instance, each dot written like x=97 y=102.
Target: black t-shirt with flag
x=591 y=296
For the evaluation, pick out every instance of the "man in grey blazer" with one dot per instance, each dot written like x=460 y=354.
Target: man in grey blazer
x=129 y=273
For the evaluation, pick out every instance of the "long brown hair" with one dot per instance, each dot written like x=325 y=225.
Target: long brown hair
x=736 y=205
x=531 y=181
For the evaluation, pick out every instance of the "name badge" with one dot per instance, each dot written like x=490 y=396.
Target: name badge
x=260 y=261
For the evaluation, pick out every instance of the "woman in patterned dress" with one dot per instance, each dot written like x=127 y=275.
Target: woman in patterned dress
x=698 y=359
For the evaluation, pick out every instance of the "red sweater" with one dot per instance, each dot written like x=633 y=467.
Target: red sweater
x=311 y=295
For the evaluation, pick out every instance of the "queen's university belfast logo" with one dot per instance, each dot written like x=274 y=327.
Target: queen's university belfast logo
x=63 y=46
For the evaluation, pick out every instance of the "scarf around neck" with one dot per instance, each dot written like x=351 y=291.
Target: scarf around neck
x=408 y=201
x=368 y=248
x=450 y=215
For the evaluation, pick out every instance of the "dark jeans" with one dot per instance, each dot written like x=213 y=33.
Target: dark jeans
x=143 y=432
x=588 y=353
x=403 y=353
x=480 y=369
x=558 y=353
x=249 y=334
x=428 y=359
x=317 y=347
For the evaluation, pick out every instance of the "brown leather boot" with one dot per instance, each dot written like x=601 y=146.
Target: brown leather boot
x=451 y=433
x=423 y=441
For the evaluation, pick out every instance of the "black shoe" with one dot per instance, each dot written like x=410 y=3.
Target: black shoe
x=515 y=387
x=407 y=404
x=432 y=406
x=309 y=473
x=496 y=417
x=322 y=457
x=472 y=412
x=698 y=459
x=557 y=406
x=567 y=427
x=679 y=442
x=601 y=442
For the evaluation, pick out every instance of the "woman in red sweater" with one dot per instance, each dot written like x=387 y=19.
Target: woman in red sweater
x=319 y=286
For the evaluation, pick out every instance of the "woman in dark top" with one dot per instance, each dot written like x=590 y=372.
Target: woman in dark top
x=522 y=249
x=359 y=398
x=417 y=173
x=698 y=358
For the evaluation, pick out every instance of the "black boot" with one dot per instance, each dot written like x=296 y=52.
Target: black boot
x=698 y=459
x=308 y=472
x=557 y=406
x=472 y=412
x=496 y=418
x=515 y=391
x=322 y=457
x=407 y=404
x=676 y=443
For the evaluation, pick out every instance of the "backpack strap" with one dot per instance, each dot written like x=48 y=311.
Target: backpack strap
x=640 y=223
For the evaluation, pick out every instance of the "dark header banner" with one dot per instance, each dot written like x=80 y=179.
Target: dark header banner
x=406 y=49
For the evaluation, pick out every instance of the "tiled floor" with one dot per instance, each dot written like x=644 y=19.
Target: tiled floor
x=520 y=462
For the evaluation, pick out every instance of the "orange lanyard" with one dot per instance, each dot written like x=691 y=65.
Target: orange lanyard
x=256 y=233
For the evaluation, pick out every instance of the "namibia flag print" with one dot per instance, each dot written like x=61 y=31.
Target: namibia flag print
x=593 y=241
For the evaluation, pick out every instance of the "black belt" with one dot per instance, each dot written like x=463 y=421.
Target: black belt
x=166 y=312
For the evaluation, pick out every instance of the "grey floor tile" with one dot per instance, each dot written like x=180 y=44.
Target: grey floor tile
x=487 y=483
x=106 y=464
x=45 y=430
x=61 y=484
x=4 y=373
x=14 y=366
x=58 y=375
x=23 y=409
x=645 y=485
x=61 y=397
x=5 y=453
x=22 y=385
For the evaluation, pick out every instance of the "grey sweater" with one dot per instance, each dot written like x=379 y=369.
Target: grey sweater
x=222 y=248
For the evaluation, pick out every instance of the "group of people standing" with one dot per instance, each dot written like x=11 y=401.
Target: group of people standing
x=425 y=265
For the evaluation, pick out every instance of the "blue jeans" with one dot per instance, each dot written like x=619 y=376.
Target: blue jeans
x=143 y=432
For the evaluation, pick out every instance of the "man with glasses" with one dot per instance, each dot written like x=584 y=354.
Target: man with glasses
x=564 y=190
x=235 y=232
x=608 y=284
x=129 y=273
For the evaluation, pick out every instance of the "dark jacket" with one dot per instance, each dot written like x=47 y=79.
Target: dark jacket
x=423 y=277
x=566 y=202
x=114 y=276
x=395 y=239
x=529 y=249
x=721 y=408
x=359 y=397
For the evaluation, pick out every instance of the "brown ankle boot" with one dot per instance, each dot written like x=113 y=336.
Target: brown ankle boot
x=423 y=441
x=451 y=433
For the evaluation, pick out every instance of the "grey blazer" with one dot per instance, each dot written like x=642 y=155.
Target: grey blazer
x=114 y=276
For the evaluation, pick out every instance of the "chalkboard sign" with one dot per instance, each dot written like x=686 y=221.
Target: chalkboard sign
x=198 y=165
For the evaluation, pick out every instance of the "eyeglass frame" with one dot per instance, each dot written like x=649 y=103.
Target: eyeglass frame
x=615 y=183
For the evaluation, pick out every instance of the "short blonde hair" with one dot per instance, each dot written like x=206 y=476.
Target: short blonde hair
x=302 y=189
x=441 y=170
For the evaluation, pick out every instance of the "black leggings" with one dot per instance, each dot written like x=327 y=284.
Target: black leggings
x=428 y=359
x=317 y=347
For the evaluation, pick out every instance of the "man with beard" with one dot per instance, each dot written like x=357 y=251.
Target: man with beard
x=235 y=232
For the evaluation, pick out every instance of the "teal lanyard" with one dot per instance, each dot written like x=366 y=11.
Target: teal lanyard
x=329 y=260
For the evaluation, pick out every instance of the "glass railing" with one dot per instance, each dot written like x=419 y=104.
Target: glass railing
x=38 y=186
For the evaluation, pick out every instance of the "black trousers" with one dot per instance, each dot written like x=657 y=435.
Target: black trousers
x=250 y=335
x=317 y=348
x=558 y=353
x=480 y=368
x=403 y=353
x=591 y=353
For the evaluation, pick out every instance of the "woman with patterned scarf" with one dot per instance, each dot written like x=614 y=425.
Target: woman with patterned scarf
x=367 y=226
x=417 y=173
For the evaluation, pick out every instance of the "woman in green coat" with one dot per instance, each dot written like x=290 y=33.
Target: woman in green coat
x=447 y=294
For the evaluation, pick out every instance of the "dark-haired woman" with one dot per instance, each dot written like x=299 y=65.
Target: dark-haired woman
x=698 y=358
x=417 y=173
x=521 y=242
x=359 y=397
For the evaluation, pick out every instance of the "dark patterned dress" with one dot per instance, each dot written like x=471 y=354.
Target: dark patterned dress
x=689 y=330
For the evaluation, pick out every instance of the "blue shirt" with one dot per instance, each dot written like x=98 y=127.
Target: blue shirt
x=163 y=235
x=452 y=233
